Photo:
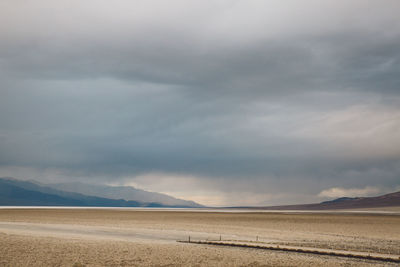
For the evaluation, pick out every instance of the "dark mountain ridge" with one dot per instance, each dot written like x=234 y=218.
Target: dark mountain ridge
x=341 y=199
x=388 y=200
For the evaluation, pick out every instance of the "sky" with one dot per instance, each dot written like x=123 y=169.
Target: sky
x=223 y=102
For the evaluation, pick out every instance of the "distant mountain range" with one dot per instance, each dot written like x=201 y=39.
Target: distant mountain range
x=31 y=193
x=388 y=200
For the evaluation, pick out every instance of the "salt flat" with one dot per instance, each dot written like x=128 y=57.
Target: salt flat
x=149 y=237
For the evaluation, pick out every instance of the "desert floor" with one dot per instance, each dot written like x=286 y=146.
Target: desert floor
x=129 y=237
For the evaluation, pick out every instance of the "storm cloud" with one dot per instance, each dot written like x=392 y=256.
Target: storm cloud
x=222 y=102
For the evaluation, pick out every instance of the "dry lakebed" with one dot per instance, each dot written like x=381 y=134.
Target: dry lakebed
x=148 y=237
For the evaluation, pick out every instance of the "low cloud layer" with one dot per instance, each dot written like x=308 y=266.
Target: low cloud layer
x=337 y=192
x=269 y=101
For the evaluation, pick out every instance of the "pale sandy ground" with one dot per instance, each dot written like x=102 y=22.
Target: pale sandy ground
x=95 y=237
x=383 y=209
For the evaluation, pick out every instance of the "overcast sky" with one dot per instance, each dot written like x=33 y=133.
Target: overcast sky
x=222 y=102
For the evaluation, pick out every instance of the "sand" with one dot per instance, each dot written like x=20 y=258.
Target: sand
x=95 y=237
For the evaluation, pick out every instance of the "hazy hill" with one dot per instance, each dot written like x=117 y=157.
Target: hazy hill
x=13 y=192
x=125 y=192
x=27 y=193
x=388 y=200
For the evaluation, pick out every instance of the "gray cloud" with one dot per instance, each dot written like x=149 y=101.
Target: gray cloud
x=250 y=98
